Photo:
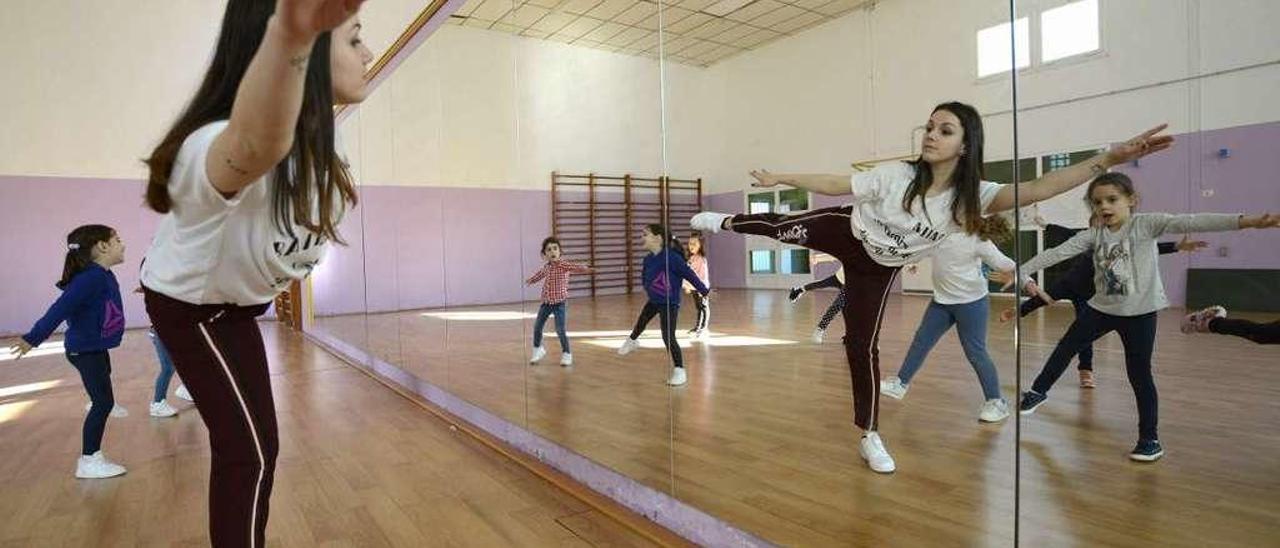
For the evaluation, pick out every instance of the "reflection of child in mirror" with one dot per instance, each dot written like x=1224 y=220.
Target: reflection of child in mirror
x=698 y=263
x=555 y=291
x=664 y=268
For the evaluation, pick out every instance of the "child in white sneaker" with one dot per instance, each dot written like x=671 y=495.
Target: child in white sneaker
x=555 y=291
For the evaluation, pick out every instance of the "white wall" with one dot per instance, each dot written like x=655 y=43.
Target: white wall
x=485 y=109
x=90 y=87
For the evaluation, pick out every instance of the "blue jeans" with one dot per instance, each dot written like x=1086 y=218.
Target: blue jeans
x=559 y=309
x=166 y=368
x=95 y=372
x=970 y=320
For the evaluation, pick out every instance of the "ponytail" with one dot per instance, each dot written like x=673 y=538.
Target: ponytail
x=80 y=243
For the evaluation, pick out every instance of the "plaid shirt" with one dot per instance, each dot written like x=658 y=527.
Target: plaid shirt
x=556 y=288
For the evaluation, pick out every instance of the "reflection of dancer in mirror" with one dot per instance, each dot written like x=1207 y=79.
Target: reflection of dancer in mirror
x=1129 y=291
x=960 y=300
x=664 y=268
x=252 y=189
x=1076 y=285
x=90 y=304
x=837 y=305
x=555 y=292
x=1214 y=320
x=698 y=263
x=901 y=210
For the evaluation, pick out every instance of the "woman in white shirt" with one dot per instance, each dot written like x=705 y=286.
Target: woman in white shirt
x=252 y=189
x=900 y=211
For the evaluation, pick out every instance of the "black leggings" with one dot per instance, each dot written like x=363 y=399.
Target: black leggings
x=95 y=372
x=837 y=306
x=667 y=316
x=829 y=281
x=1261 y=333
x=704 y=311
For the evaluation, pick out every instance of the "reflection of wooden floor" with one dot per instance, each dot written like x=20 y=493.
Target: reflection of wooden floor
x=359 y=466
x=762 y=435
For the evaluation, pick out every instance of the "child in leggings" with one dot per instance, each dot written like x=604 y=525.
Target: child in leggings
x=90 y=304
x=698 y=263
x=664 y=268
x=1214 y=320
x=837 y=305
x=960 y=300
x=900 y=211
x=1129 y=292
x=1077 y=286
x=555 y=291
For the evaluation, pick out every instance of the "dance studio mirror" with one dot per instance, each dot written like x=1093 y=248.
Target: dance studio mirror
x=1097 y=73
x=766 y=433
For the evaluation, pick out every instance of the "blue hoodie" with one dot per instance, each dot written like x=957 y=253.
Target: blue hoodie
x=91 y=306
x=662 y=274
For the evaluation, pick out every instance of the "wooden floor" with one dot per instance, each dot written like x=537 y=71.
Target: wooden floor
x=359 y=466
x=762 y=437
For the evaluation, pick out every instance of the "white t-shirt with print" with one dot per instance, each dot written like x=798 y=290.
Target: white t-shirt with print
x=891 y=235
x=214 y=250
x=957 y=268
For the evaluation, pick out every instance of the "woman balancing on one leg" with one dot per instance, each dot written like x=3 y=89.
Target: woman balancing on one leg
x=900 y=211
x=252 y=190
x=1129 y=292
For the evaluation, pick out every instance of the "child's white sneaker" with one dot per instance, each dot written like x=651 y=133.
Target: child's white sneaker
x=627 y=346
x=538 y=353
x=97 y=466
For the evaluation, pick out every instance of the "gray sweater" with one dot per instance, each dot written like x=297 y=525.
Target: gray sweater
x=1126 y=271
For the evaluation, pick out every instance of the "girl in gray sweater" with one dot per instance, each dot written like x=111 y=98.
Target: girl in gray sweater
x=1129 y=291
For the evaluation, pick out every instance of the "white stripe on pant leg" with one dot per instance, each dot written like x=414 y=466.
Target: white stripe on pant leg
x=875 y=389
x=793 y=218
x=253 y=430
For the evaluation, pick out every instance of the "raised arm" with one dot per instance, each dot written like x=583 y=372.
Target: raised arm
x=269 y=98
x=1059 y=181
x=831 y=185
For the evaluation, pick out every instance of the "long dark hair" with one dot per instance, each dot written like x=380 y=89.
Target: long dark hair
x=312 y=172
x=672 y=242
x=965 y=208
x=80 y=244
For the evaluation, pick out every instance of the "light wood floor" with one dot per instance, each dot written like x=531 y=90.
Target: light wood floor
x=359 y=466
x=762 y=437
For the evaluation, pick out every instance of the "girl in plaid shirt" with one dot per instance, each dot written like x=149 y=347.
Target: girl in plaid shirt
x=554 y=292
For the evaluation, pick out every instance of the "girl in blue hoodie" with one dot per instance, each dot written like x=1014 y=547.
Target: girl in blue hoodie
x=90 y=304
x=664 y=269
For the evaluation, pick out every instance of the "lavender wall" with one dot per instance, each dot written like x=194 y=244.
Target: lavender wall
x=727 y=251
x=39 y=212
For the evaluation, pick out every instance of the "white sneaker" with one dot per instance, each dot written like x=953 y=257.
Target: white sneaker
x=182 y=394
x=893 y=388
x=708 y=221
x=97 y=466
x=538 y=353
x=627 y=346
x=818 y=335
x=162 y=409
x=877 y=457
x=678 y=377
x=994 y=410
x=118 y=411
x=566 y=359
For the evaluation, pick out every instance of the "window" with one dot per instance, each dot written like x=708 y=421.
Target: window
x=993 y=47
x=762 y=261
x=1069 y=30
x=761 y=202
x=795 y=261
x=792 y=200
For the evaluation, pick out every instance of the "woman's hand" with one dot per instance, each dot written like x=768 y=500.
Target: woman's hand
x=1145 y=143
x=303 y=20
x=764 y=179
